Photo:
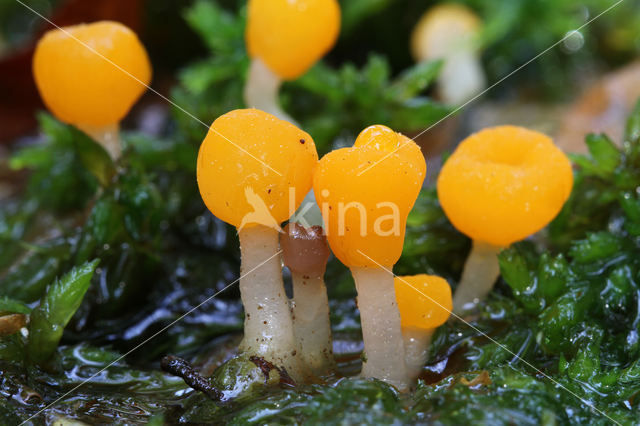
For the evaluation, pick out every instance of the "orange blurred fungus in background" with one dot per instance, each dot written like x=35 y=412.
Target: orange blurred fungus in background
x=19 y=99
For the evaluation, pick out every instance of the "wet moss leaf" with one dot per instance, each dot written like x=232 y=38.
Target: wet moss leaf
x=414 y=80
x=596 y=246
x=27 y=279
x=219 y=29
x=56 y=308
x=11 y=306
x=632 y=133
x=349 y=401
x=94 y=158
x=201 y=75
x=59 y=179
x=8 y=414
x=417 y=114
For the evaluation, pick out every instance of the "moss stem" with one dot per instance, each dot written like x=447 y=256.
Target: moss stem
x=480 y=273
x=384 y=356
x=268 y=328
x=261 y=90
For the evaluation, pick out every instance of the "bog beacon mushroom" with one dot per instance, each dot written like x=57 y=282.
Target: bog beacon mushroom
x=450 y=31
x=500 y=186
x=284 y=39
x=365 y=194
x=253 y=172
x=90 y=75
x=425 y=304
x=305 y=252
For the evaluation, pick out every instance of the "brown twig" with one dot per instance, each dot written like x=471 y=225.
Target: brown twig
x=181 y=368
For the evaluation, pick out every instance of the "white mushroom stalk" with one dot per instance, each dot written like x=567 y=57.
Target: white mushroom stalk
x=481 y=270
x=305 y=252
x=416 y=349
x=107 y=136
x=449 y=32
x=381 y=329
x=262 y=88
x=268 y=329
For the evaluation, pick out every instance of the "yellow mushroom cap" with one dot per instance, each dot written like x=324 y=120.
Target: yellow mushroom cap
x=441 y=27
x=82 y=87
x=233 y=177
x=424 y=301
x=504 y=183
x=365 y=194
x=291 y=35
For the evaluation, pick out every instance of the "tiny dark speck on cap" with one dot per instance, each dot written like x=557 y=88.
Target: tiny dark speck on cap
x=302 y=141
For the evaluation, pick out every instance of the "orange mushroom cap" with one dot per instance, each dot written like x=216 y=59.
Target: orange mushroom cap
x=504 y=183
x=80 y=86
x=291 y=35
x=424 y=301
x=365 y=194
x=249 y=165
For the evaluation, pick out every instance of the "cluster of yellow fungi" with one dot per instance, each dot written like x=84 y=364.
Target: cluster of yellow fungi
x=255 y=167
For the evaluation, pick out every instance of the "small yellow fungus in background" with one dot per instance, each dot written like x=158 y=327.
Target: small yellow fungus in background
x=253 y=172
x=90 y=75
x=501 y=185
x=450 y=32
x=425 y=304
x=284 y=39
x=289 y=36
x=365 y=194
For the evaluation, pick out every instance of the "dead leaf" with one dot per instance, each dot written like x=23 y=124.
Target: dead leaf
x=11 y=324
x=481 y=379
